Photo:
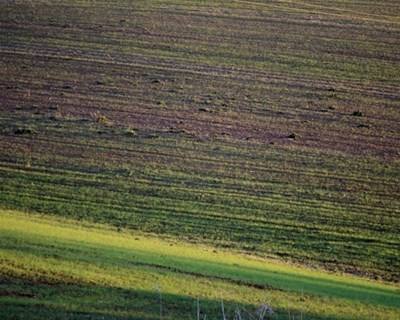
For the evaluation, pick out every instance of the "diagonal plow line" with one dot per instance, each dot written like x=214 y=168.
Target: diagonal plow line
x=280 y=6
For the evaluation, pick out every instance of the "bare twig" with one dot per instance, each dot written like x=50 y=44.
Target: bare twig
x=198 y=309
x=223 y=310
x=237 y=314
x=249 y=314
x=264 y=310
x=160 y=300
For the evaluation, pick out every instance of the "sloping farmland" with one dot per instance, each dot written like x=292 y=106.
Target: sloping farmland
x=270 y=128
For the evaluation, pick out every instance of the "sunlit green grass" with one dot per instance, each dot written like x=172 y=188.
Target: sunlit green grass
x=40 y=255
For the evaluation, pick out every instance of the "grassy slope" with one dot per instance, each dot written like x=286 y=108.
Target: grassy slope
x=52 y=266
x=174 y=117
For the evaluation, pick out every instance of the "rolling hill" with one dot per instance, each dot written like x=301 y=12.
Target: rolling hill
x=267 y=131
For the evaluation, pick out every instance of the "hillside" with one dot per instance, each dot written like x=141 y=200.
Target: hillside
x=54 y=269
x=264 y=128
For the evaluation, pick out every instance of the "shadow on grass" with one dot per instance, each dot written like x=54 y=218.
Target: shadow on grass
x=20 y=299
